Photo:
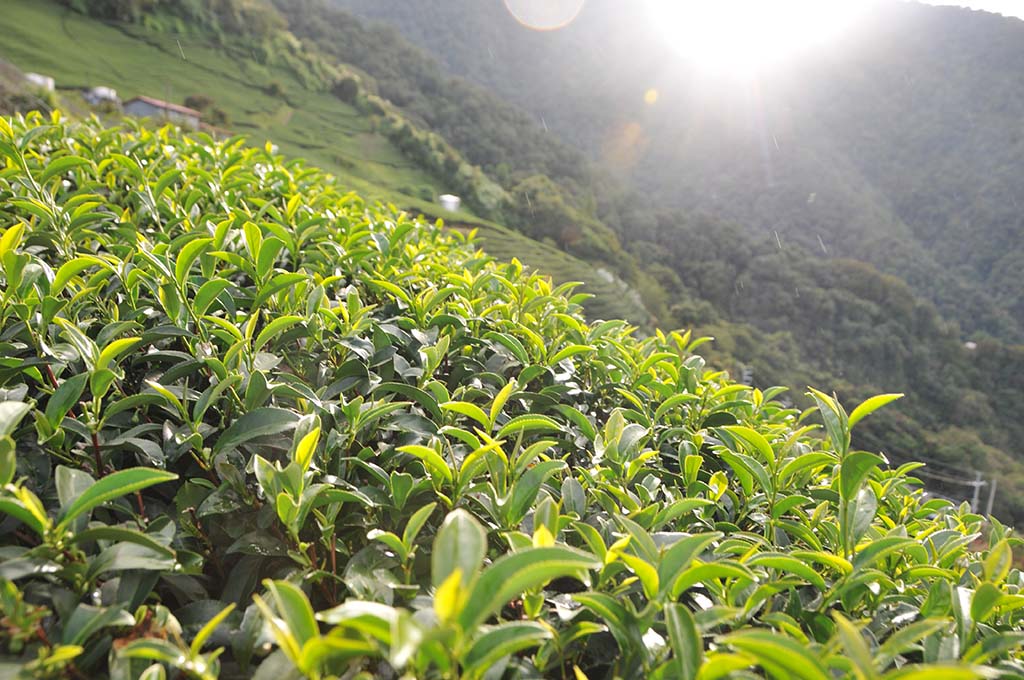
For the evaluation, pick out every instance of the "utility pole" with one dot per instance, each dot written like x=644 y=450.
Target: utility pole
x=977 y=484
x=991 y=498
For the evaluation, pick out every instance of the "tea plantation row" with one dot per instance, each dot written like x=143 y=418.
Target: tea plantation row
x=251 y=426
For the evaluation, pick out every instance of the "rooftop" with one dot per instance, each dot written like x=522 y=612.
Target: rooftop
x=161 y=104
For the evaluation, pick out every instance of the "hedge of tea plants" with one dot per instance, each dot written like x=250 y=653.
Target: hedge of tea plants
x=251 y=426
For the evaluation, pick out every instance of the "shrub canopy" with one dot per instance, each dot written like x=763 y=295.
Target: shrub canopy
x=251 y=425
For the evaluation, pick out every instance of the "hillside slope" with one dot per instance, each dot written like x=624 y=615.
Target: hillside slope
x=171 y=59
x=253 y=427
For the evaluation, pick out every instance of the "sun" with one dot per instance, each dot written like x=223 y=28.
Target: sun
x=744 y=37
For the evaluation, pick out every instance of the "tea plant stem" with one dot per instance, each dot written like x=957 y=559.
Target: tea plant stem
x=97 y=456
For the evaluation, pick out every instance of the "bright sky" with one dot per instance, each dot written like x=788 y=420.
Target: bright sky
x=1007 y=7
x=745 y=37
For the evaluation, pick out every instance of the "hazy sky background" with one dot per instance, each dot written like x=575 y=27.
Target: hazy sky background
x=1008 y=7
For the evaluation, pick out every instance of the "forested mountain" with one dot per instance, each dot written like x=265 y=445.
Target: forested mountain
x=899 y=146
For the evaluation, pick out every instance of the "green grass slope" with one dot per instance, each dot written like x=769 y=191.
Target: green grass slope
x=79 y=51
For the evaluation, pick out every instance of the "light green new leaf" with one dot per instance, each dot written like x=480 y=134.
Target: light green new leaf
x=273 y=329
x=415 y=524
x=528 y=423
x=187 y=256
x=754 y=440
x=59 y=166
x=501 y=641
x=570 y=351
x=780 y=655
x=294 y=608
x=208 y=292
x=514 y=573
x=791 y=565
x=934 y=672
x=687 y=646
x=701 y=573
x=467 y=409
x=986 y=599
x=207 y=630
x=70 y=269
x=114 y=350
x=869 y=406
x=857 y=650
x=836 y=422
x=461 y=543
x=435 y=464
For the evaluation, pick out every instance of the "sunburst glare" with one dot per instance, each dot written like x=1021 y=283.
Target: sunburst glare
x=743 y=37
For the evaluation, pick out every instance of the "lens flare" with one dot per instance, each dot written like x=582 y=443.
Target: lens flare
x=544 y=15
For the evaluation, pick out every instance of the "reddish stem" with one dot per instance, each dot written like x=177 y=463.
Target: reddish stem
x=96 y=455
x=142 y=507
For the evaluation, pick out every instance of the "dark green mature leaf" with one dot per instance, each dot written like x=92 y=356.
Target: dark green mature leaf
x=86 y=620
x=525 y=491
x=65 y=397
x=259 y=422
x=110 y=487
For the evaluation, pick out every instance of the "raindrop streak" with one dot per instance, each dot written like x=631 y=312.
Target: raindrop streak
x=180 y=50
x=778 y=240
x=822 y=244
x=544 y=15
x=544 y=123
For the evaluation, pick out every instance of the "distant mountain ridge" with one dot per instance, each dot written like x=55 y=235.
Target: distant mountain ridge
x=901 y=145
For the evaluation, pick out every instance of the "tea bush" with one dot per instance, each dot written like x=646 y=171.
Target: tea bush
x=251 y=426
